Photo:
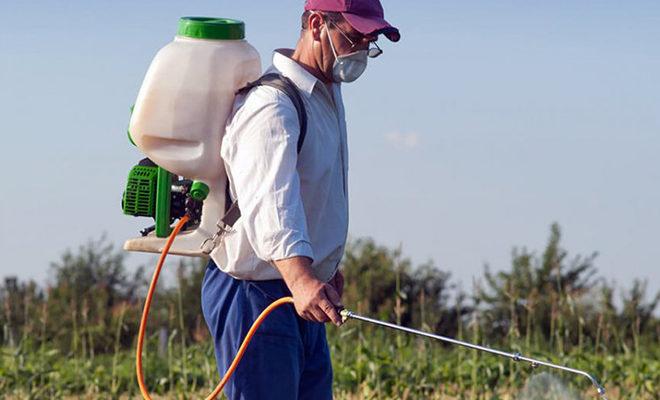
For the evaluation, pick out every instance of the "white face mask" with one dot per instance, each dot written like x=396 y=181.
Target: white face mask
x=348 y=67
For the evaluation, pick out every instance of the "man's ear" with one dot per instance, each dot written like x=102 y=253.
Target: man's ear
x=315 y=24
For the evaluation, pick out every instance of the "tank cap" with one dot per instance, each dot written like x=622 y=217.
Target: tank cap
x=211 y=28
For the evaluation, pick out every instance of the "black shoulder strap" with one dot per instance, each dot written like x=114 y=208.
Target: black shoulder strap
x=280 y=82
x=284 y=84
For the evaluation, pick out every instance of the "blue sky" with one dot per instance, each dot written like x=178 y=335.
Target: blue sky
x=483 y=125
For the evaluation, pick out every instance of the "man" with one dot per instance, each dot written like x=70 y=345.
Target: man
x=294 y=209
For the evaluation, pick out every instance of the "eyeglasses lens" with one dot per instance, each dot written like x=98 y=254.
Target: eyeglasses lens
x=374 y=52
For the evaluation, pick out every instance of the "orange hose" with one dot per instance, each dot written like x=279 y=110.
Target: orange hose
x=145 y=315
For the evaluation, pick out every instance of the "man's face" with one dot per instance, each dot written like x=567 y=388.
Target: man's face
x=344 y=38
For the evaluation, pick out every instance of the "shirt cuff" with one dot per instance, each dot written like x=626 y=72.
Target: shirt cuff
x=300 y=248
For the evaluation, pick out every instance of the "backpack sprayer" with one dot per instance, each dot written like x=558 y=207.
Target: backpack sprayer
x=178 y=122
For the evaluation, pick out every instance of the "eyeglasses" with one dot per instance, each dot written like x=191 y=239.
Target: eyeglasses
x=372 y=52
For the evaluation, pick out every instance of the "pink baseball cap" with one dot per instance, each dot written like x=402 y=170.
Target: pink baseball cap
x=366 y=16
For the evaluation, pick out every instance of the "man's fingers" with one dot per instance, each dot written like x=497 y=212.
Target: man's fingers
x=333 y=296
x=330 y=310
x=319 y=314
x=318 y=302
x=303 y=314
x=335 y=303
x=311 y=313
x=340 y=283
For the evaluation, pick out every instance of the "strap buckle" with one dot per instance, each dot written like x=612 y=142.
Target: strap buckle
x=210 y=243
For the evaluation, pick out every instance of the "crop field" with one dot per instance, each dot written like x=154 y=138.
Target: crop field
x=76 y=338
x=368 y=364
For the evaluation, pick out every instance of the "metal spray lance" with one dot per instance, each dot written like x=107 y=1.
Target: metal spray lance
x=346 y=314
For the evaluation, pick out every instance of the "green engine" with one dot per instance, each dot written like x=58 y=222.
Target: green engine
x=153 y=192
x=139 y=197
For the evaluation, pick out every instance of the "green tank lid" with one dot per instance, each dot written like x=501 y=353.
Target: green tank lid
x=211 y=28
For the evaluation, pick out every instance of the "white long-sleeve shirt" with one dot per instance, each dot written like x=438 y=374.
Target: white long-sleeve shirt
x=291 y=204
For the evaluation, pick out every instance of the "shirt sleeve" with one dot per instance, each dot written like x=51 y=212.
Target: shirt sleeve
x=260 y=154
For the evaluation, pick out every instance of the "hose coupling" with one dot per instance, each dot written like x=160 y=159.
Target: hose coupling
x=345 y=315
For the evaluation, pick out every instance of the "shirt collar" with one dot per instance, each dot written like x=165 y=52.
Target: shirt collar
x=299 y=76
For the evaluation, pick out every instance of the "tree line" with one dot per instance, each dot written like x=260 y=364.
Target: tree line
x=548 y=300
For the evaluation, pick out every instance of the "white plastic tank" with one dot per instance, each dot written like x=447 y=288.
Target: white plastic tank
x=180 y=113
x=187 y=94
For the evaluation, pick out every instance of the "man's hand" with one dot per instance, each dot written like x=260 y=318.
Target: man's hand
x=337 y=282
x=314 y=300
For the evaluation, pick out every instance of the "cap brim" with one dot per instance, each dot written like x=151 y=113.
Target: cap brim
x=372 y=26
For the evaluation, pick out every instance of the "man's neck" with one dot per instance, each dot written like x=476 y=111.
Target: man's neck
x=306 y=60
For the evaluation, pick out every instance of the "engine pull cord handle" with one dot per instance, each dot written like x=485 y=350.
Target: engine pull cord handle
x=145 y=315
